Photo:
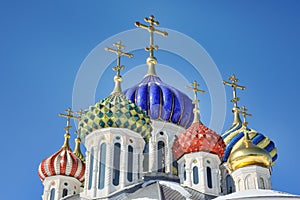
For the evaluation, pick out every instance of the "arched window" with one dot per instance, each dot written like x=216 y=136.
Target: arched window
x=91 y=169
x=184 y=173
x=208 y=177
x=52 y=194
x=138 y=164
x=102 y=161
x=116 y=164
x=161 y=156
x=195 y=175
x=240 y=184
x=249 y=182
x=262 y=183
x=175 y=166
x=65 y=192
x=229 y=184
x=130 y=163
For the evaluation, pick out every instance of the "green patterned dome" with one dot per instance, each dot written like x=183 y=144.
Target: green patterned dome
x=115 y=111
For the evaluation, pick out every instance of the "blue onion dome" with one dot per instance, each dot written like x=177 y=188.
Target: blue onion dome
x=233 y=138
x=161 y=101
x=115 y=111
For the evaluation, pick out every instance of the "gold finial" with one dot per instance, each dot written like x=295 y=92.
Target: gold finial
x=243 y=111
x=119 y=67
x=77 y=150
x=151 y=30
x=234 y=85
x=195 y=89
x=66 y=142
x=69 y=115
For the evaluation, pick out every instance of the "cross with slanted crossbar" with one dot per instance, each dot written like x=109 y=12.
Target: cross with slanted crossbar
x=120 y=53
x=233 y=84
x=151 y=30
x=243 y=111
x=196 y=90
x=79 y=113
x=69 y=115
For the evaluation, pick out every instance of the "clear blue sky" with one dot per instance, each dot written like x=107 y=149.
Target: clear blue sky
x=43 y=43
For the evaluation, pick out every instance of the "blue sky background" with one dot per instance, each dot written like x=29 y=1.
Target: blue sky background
x=43 y=43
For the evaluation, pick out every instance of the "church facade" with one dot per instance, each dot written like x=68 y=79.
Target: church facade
x=148 y=142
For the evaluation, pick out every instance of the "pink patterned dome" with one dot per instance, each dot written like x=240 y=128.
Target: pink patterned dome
x=198 y=138
x=63 y=162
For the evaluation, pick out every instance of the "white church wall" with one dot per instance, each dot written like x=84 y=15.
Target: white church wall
x=251 y=177
x=61 y=185
x=196 y=165
x=114 y=179
x=227 y=182
x=166 y=132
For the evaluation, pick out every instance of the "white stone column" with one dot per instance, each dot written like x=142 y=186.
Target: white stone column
x=152 y=166
x=215 y=181
x=108 y=168
x=202 y=185
x=86 y=181
x=168 y=159
x=140 y=163
x=46 y=190
x=123 y=165
x=58 y=194
x=95 y=171
x=135 y=165
x=188 y=176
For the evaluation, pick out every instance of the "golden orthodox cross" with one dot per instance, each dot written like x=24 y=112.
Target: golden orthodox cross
x=79 y=113
x=120 y=53
x=196 y=90
x=69 y=115
x=234 y=85
x=151 y=30
x=243 y=111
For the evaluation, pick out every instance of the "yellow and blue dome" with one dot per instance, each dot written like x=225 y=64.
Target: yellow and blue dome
x=161 y=101
x=233 y=138
x=115 y=111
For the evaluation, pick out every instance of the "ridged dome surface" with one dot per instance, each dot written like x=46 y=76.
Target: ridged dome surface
x=115 y=111
x=161 y=101
x=63 y=162
x=198 y=138
x=234 y=137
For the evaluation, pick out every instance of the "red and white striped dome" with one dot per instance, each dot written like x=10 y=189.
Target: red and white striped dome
x=63 y=162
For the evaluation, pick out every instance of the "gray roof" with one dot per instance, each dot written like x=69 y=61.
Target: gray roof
x=153 y=190
x=73 y=197
x=199 y=195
